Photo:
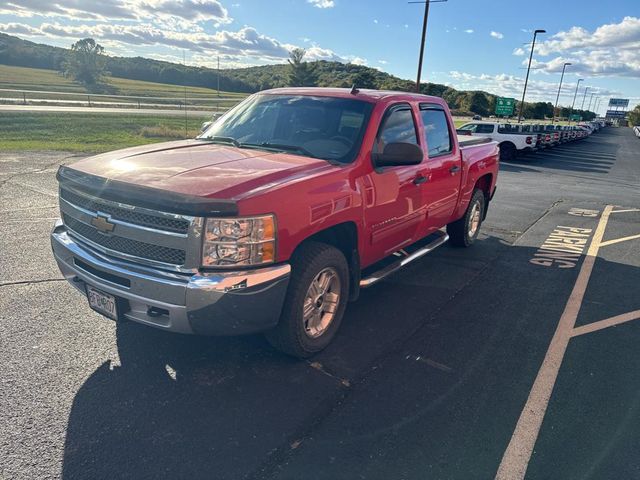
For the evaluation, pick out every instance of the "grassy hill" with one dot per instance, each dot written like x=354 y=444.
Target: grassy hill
x=21 y=53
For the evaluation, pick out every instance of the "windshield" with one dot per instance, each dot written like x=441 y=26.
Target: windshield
x=321 y=127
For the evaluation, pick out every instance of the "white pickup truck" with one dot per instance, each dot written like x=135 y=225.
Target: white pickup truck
x=510 y=140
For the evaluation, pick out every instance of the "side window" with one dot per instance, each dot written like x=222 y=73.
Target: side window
x=484 y=128
x=436 y=131
x=398 y=127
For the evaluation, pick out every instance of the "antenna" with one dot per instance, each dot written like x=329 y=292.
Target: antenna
x=354 y=90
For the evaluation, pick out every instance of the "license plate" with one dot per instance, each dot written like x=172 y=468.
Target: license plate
x=102 y=302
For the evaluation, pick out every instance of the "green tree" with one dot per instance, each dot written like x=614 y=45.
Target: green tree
x=634 y=116
x=301 y=74
x=365 y=79
x=86 y=62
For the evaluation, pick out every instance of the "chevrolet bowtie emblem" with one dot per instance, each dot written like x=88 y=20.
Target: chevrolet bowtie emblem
x=102 y=224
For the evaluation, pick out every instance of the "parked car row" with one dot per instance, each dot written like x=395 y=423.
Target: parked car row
x=519 y=138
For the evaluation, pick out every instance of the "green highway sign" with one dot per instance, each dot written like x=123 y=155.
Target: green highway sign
x=505 y=106
x=575 y=118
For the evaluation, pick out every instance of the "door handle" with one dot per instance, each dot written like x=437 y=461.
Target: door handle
x=420 y=179
x=454 y=169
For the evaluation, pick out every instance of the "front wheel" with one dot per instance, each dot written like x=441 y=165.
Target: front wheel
x=463 y=232
x=315 y=302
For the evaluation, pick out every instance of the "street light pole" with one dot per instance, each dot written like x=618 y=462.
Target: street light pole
x=424 y=36
x=526 y=80
x=574 y=98
x=558 y=96
x=595 y=109
x=586 y=90
x=591 y=98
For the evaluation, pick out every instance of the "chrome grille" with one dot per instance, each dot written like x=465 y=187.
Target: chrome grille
x=127 y=215
x=139 y=234
x=125 y=245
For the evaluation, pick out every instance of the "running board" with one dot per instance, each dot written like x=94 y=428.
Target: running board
x=407 y=258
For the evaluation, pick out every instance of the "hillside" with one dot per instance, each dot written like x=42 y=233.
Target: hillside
x=18 y=52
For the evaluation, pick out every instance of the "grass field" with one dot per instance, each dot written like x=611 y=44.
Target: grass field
x=89 y=133
x=22 y=78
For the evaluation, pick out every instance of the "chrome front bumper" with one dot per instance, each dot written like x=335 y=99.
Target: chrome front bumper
x=212 y=303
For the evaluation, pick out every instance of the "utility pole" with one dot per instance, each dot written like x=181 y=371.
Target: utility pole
x=526 y=80
x=558 y=96
x=586 y=90
x=218 y=102
x=424 y=36
x=574 y=98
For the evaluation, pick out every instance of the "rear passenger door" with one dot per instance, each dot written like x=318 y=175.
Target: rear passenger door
x=444 y=164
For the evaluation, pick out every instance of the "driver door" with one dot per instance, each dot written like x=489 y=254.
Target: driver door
x=395 y=210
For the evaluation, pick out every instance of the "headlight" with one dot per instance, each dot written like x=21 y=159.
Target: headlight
x=239 y=241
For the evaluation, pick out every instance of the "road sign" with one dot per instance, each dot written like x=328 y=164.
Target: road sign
x=619 y=102
x=575 y=118
x=505 y=106
x=613 y=114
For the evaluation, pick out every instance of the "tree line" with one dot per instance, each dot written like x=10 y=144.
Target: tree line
x=87 y=63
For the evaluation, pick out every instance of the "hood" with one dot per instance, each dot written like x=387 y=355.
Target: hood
x=200 y=168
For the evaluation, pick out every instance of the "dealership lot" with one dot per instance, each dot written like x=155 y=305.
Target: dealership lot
x=518 y=353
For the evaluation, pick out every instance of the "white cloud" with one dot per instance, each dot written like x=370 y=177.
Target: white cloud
x=245 y=46
x=497 y=35
x=375 y=20
x=19 y=29
x=518 y=52
x=610 y=50
x=322 y=3
x=511 y=86
x=383 y=62
x=469 y=30
x=140 y=10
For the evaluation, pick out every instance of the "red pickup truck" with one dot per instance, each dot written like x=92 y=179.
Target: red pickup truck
x=275 y=217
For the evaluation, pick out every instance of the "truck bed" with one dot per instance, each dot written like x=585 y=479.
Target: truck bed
x=469 y=141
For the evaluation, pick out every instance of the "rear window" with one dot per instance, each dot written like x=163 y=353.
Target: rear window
x=477 y=127
x=436 y=131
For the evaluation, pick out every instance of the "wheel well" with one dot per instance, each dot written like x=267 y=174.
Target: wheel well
x=484 y=184
x=344 y=237
x=507 y=144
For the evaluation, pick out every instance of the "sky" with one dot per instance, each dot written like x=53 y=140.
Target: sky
x=471 y=44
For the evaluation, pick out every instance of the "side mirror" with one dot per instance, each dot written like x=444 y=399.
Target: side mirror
x=204 y=126
x=396 y=154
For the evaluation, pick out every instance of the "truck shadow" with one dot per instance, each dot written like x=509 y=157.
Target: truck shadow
x=178 y=406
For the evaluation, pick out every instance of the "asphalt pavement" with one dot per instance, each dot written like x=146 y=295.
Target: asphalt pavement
x=515 y=358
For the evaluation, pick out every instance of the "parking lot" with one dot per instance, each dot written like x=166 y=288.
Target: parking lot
x=519 y=354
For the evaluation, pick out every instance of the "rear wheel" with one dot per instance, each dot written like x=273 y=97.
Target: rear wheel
x=315 y=302
x=463 y=232
x=508 y=152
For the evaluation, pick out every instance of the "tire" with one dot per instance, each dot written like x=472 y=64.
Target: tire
x=463 y=232
x=299 y=337
x=508 y=152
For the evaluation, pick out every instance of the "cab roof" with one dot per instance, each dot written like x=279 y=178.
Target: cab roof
x=365 y=94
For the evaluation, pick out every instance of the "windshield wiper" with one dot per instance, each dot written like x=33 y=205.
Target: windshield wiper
x=223 y=140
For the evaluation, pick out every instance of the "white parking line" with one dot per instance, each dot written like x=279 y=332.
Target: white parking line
x=518 y=453
x=609 y=322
